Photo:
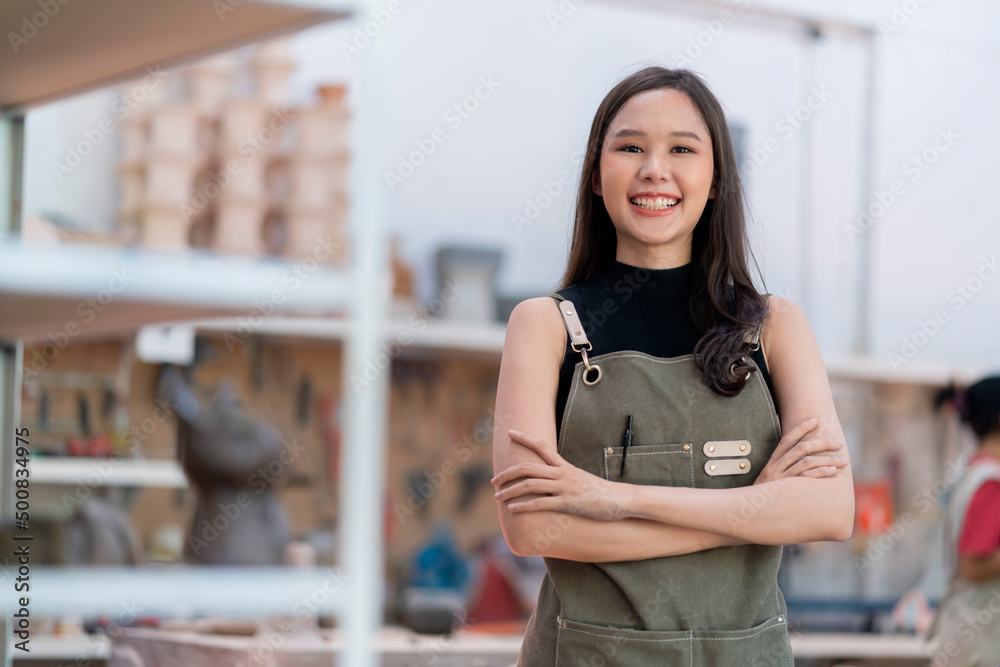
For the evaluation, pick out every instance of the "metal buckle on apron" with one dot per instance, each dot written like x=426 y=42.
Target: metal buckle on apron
x=732 y=369
x=588 y=366
x=578 y=339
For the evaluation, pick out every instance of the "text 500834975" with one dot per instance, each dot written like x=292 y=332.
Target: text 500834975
x=22 y=540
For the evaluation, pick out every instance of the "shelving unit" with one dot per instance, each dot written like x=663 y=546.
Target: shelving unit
x=103 y=42
x=71 y=470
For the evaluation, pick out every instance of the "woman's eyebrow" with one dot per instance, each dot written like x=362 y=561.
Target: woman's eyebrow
x=626 y=132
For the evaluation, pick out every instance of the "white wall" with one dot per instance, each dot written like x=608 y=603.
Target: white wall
x=939 y=69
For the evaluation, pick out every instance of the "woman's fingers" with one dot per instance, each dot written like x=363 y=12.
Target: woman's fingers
x=537 y=504
x=825 y=471
x=537 y=445
x=531 y=485
x=804 y=448
x=811 y=463
x=524 y=469
x=791 y=438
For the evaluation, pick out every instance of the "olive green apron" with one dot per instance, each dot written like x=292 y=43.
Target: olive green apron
x=714 y=607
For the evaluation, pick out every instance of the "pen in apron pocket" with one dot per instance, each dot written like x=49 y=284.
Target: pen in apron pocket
x=626 y=441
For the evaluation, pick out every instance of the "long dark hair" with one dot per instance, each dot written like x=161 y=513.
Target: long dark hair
x=977 y=405
x=724 y=303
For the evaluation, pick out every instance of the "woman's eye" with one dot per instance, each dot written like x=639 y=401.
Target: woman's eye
x=626 y=148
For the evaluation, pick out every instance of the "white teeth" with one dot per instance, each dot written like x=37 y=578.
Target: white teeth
x=656 y=203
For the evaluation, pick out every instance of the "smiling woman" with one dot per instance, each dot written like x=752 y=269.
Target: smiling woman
x=641 y=452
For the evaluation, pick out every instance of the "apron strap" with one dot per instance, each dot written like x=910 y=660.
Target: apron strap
x=577 y=337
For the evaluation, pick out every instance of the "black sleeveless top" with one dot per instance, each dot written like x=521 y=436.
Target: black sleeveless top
x=624 y=307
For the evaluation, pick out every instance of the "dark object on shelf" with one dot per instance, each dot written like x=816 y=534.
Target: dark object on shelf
x=233 y=460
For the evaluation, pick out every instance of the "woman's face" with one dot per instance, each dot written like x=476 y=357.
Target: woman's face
x=657 y=148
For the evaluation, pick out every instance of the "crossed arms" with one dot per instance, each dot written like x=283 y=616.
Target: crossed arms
x=804 y=494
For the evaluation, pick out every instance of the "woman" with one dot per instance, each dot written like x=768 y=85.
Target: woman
x=660 y=503
x=967 y=625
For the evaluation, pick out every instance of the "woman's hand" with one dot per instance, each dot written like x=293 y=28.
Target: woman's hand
x=812 y=458
x=570 y=489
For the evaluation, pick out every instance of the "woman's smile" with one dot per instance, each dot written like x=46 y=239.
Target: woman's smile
x=651 y=204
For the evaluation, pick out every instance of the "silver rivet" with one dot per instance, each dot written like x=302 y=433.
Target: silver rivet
x=743 y=448
x=712 y=448
x=569 y=312
x=780 y=619
x=711 y=467
x=742 y=466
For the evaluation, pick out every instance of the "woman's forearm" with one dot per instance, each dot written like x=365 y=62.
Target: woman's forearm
x=572 y=537
x=791 y=510
x=980 y=568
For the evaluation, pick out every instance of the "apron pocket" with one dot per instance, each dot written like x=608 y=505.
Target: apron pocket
x=670 y=464
x=583 y=644
x=763 y=645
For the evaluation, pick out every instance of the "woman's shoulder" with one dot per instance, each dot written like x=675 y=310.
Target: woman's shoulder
x=538 y=319
x=785 y=321
x=782 y=314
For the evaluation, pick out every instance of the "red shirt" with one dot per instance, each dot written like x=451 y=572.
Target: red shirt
x=981 y=529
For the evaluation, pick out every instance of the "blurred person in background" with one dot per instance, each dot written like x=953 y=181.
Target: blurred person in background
x=653 y=476
x=967 y=624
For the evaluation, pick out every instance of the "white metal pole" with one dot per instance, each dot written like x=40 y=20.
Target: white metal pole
x=11 y=171
x=366 y=368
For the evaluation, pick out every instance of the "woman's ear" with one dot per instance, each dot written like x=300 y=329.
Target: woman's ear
x=711 y=193
x=595 y=182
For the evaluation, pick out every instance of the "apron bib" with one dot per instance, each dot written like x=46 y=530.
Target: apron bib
x=715 y=607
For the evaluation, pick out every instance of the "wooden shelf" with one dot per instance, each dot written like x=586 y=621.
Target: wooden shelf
x=82 y=46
